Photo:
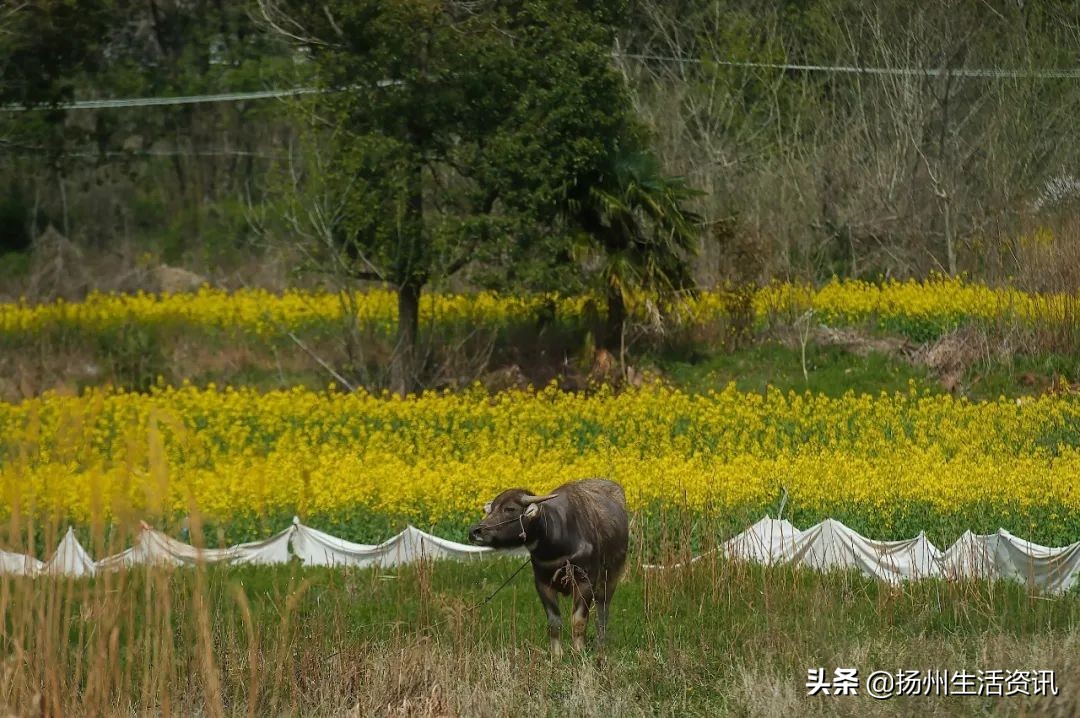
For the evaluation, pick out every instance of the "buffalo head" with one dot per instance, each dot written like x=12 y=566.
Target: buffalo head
x=507 y=518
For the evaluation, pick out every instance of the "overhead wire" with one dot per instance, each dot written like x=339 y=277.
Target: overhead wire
x=990 y=73
x=1043 y=74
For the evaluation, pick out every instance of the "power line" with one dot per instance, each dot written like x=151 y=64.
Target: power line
x=110 y=103
x=852 y=69
x=113 y=103
x=212 y=152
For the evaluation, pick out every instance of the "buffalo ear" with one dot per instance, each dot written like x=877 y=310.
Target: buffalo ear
x=487 y=508
x=532 y=511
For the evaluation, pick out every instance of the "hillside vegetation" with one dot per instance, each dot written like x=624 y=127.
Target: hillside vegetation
x=803 y=173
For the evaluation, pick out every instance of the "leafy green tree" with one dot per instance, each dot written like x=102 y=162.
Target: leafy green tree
x=45 y=47
x=170 y=158
x=637 y=231
x=204 y=154
x=453 y=127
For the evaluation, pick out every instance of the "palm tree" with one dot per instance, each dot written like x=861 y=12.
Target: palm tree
x=636 y=234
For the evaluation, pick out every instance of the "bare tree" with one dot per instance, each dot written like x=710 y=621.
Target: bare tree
x=886 y=155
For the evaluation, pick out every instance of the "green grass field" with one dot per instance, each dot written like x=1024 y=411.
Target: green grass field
x=718 y=639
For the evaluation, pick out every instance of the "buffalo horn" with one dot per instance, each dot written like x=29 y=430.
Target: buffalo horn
x=526 y=500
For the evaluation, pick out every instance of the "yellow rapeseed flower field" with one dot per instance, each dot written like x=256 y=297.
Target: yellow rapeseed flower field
x=894 y=460
x=935 y=303
x=262 y=313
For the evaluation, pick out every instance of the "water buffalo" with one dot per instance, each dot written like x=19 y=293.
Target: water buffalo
x=577 y=538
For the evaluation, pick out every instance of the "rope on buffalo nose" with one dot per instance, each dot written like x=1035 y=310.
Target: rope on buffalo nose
x=470 y=609
x=490 y=596
x=520 y=518
x=503 y=585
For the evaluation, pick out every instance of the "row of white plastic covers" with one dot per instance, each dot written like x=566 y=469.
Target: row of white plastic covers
x=826 y=546
x=832 y=545
x=313 y=547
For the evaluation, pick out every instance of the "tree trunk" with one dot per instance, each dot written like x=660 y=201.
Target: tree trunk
x=950 y=243
x=616 y=317
x=946 y=173
x=411 y=276
x=403 y=366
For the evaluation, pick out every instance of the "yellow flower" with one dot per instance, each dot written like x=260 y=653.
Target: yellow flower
x=235 y=450
x=939 y=301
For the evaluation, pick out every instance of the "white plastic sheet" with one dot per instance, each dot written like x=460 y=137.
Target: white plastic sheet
x=1004 y=556
x=17 y=564
x=70 y=559
x=316 y=548
x=269 y=551
x=153 y=547
x=826 y=546
x=831 y=545
x=1054 y=569
x=769 y=541
x=971 y=556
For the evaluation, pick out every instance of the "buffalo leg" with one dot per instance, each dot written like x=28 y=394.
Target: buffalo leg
x=579 y=621
x=550 y=598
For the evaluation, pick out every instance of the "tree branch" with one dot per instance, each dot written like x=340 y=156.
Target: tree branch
x=276 y=19
x=459 y=263
x=366 y=276
x=344 y=382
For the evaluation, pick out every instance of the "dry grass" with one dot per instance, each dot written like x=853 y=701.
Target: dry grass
x=718 y=638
